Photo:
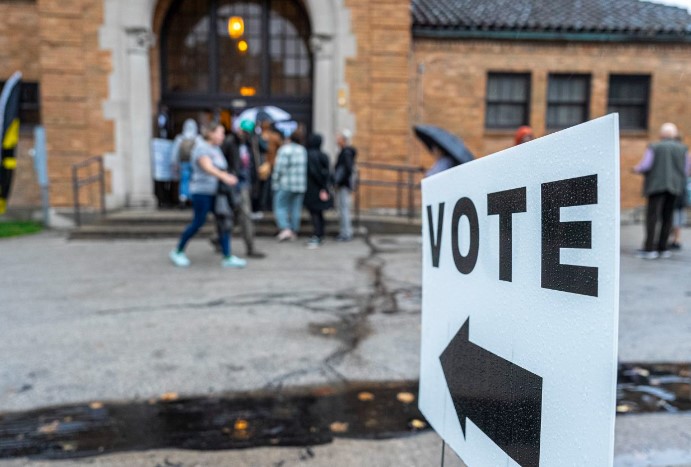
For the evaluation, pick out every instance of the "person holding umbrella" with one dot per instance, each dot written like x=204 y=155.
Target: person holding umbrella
x=447 y=149
x=442 y=162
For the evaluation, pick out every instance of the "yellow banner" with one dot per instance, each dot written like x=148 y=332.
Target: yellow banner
x=10 y=163
x=12 y=136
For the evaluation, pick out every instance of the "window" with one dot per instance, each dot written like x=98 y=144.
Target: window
x=271 y=58
x=568 y=99
x=508 y=98
x=29 y=104
x=629 y=95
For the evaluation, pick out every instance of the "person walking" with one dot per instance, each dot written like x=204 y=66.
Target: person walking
x=317 y=197
x=289 y=183
x=208 y=171
x=344 y=182
x=664 y=165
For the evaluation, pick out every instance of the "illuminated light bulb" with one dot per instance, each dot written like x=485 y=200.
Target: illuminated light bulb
x=236 y=27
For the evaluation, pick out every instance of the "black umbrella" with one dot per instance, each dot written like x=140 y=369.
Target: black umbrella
x=450 y=144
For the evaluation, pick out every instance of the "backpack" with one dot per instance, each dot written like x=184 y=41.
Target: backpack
x=185 y=150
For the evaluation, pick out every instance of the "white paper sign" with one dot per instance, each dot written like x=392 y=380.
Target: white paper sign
x=521 y=301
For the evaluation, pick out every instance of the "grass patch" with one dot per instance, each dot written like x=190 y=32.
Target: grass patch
x=16 y=228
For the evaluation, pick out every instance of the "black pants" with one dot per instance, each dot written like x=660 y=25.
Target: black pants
x=660 y=210
x=318 y=223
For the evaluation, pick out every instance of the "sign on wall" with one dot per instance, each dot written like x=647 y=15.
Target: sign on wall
x=521 y=301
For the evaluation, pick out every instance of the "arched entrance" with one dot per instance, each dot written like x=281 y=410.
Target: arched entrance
x=229 y=55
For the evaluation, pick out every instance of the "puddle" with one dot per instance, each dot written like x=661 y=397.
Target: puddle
x=654 y=388
x=294 y=418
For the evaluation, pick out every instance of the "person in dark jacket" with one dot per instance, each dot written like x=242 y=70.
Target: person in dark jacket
x=241 y=151
x=344 y=181
x=665 y=166
x=317 y=196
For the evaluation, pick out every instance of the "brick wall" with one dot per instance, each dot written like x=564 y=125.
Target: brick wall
x=450 y=79
x=74 y=85
x=378 y=79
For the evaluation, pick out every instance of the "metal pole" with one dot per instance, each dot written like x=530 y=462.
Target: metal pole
x=411 y=197
x=399 y=193
x=75 y=193
x=443 y=449
x=357 y=207
x=102 y=181
x=41 y=167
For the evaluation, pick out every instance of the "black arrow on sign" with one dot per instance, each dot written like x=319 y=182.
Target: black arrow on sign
x=502 y=399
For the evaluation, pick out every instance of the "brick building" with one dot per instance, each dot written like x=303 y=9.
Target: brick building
x=99 y=72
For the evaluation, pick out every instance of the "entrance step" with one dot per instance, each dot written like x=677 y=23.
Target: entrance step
x=151 y=224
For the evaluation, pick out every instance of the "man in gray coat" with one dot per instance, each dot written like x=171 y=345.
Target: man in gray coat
x=664 y=165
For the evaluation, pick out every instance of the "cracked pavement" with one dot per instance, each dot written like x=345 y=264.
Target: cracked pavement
x=86 y=321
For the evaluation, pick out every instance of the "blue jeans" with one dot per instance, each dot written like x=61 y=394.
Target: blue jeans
x=203 y=205
x=288 y=209
x=185 y=175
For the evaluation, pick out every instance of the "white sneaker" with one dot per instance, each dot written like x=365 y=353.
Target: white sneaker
x=179 y=258
x=233 y=262
x=647 y=254
x=665 y=254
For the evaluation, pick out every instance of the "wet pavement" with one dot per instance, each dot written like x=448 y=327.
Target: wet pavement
x=300 y=417
x=113 y=321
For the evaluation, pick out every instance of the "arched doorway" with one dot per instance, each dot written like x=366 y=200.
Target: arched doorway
x=264 y=60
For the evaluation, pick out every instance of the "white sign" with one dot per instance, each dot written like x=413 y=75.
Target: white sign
x=521 y=301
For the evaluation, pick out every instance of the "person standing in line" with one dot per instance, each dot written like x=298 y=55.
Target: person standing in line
x=523 y=135
x=679 y=214
x=317 y=197
x=241 y=152
x=208 y=171
x=269 y=141
x=289 y=183
x=664 y=165
x=182 y=153
x=344 y=182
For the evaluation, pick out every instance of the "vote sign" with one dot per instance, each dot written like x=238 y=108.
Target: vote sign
x=520 y=301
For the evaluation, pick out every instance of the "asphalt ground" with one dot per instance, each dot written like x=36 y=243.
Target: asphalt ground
x=114 y=321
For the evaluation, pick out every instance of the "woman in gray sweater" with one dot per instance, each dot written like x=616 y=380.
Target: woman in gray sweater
x=209 y=167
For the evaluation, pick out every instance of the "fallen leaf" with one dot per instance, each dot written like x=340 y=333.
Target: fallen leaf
x=406 y=397
x=69 y=447
x=417 y=424
x=365 y=396
x=623 y=408
x=96 y=405
x=169 y=396
x=329 y=331
x=49 y=428
x=241 y=425
x=339 y=427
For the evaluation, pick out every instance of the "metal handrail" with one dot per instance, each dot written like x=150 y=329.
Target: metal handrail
x=405 y=179
x=77 y=183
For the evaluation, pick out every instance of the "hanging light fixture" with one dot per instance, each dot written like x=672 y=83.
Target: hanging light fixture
x=236 y=27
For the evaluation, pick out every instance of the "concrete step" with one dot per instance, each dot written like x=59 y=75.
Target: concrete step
x=143 y=224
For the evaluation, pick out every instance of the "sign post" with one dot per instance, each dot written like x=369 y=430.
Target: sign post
x=521 y=301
